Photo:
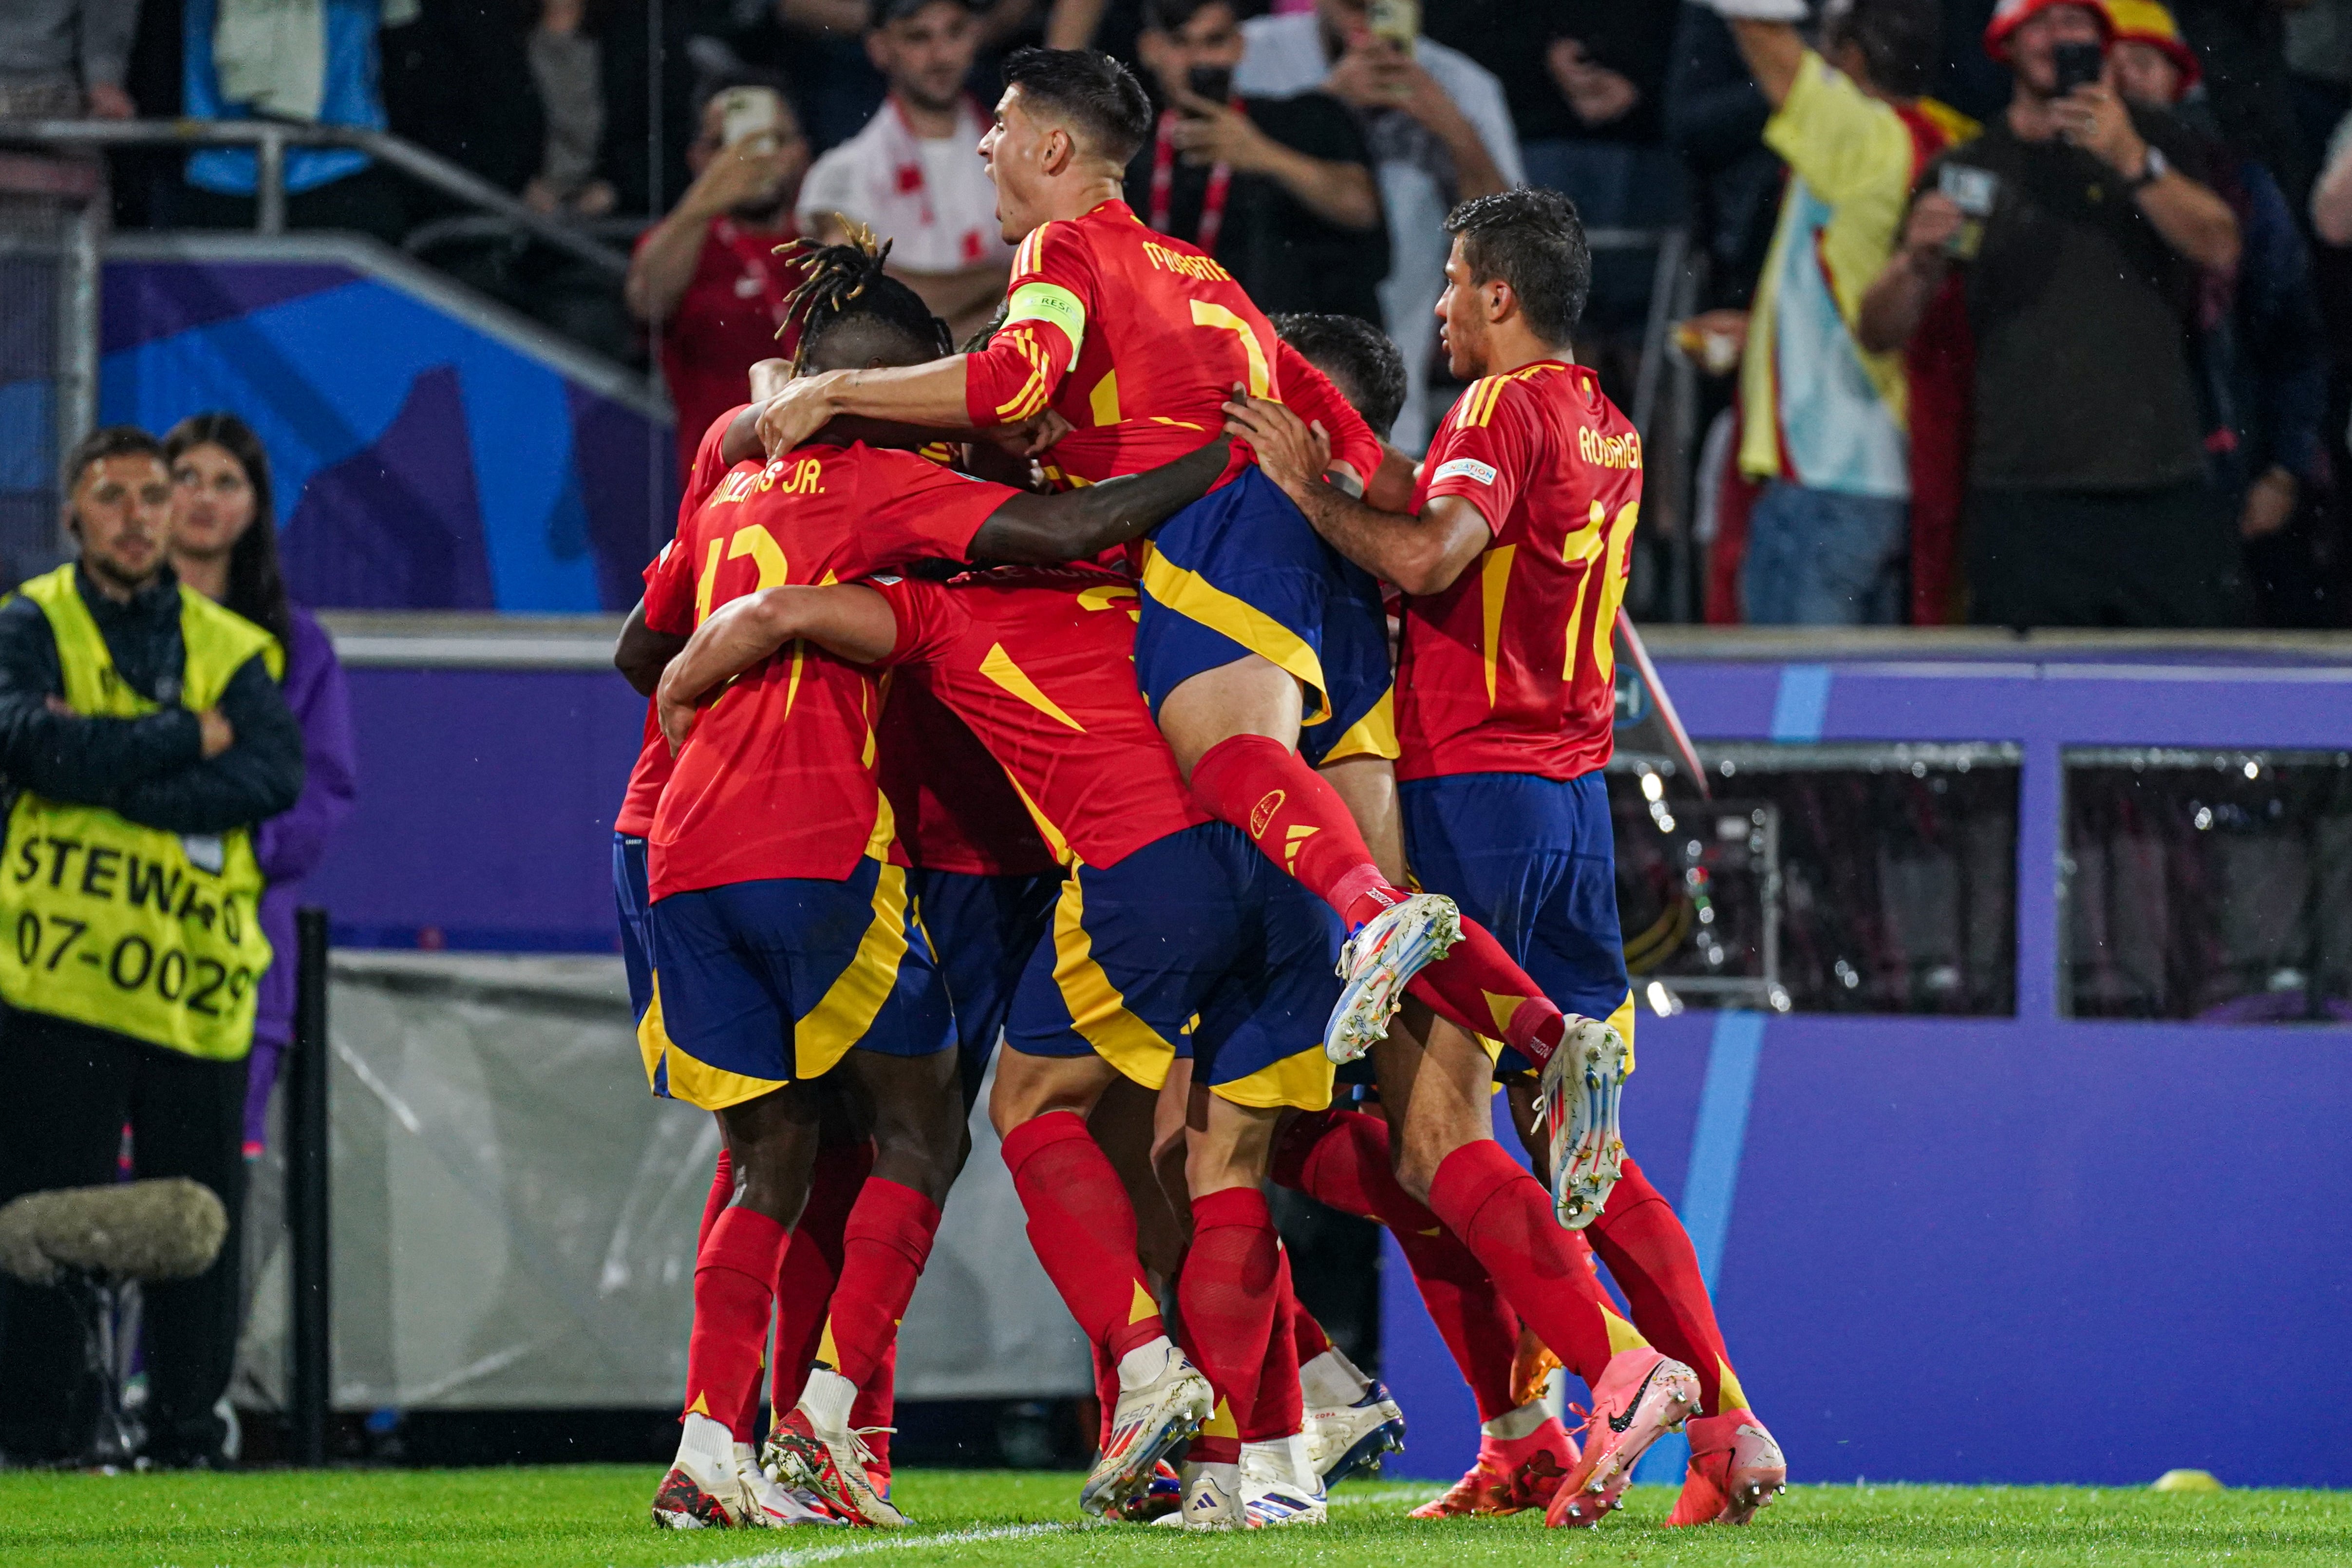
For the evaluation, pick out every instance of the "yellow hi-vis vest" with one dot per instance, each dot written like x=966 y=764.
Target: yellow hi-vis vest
x=125 y=928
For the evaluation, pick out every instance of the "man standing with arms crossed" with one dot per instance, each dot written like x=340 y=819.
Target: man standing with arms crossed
x=1513 y=570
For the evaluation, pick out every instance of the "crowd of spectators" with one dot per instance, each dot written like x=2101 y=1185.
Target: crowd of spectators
x=2025 y=312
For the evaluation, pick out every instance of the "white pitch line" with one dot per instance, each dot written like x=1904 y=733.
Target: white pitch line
x=891 y=1542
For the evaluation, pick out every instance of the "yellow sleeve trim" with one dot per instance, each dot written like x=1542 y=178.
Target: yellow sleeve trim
x=1050 y=302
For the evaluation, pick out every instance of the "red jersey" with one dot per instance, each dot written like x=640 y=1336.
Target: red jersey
x=1034 y=661
x=955 y=808
x=726 y=321
x=778 y=777
x=1134 y=338
x=1510 y=669
x=653 y=765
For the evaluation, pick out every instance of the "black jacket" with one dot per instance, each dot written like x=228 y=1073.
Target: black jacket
x=152 y=770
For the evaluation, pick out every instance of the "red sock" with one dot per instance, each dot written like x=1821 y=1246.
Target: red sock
x=876 y=1404
x=1649 y=1254
x=1299 y=822
x=1307 y=1336
x=1105 y=1394
x=1479 y=988
x=1504 y=1216
x=1280 y=1407
x=887 y=1241
x=722 y=1193
x=734 y=1289
x=1340 y=1158
x=1226 y=1299
x=805 y=1286
x=1082 y=1228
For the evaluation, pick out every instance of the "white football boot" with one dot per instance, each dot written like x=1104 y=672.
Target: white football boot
x=1163 y=1401
x=1213 y=1498
x=1350 y=1419
x=773 y=1505
x=1279 y=1485
x=1581 y=1086
x=1378 y=961
x=702 y=1489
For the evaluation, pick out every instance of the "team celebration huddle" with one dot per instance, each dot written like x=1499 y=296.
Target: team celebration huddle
x=1041 y=702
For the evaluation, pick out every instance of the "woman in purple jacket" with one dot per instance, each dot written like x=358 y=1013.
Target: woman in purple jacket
x=221 y=492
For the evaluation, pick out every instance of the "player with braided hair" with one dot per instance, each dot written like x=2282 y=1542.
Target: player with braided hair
x=784 y=942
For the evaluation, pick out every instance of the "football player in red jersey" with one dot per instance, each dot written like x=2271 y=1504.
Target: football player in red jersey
x=1257 y=641
x=1513 y=565
x=782 y=941
x=1173 y=934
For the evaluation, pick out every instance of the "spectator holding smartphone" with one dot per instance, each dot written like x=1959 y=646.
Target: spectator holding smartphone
x=706 y=281
x=2087 y=503
x=1279 y=190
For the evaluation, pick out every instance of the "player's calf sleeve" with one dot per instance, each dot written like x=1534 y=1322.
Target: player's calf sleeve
x=884 y=1248
x=1505 y=1217
x=804 y=1285
x=1479 y=988
x=1296 y=820
x=1226 y=1299
x=734 y=1288
x=875 y=1405
x=1082 y=1228
x=1340 y=1158
x=1106 y=1395
x=1280 y=1408
x=1649 y=1254
x=722 y=1193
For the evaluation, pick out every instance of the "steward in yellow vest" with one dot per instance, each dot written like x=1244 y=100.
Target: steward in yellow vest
x=128 y=885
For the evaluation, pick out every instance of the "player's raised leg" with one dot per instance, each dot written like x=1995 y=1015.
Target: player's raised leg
x=1437 y=1096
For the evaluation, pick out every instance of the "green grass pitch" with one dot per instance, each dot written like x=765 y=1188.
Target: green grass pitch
x=593 y=1516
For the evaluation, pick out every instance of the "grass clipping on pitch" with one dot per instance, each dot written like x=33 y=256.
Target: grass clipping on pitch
x=594 y=1516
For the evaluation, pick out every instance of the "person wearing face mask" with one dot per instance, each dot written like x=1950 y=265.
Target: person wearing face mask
x=225 y=546
x=142 y=737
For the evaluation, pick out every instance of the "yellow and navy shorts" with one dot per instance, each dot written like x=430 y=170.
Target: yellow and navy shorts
x=629 y=897
x=1533 y=860
x=1193 y=945
x=758 y=985
x=1241 y=571
x=981 y=931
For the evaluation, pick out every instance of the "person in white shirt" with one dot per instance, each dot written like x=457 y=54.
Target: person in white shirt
x=1440 y=133
x=914 y=175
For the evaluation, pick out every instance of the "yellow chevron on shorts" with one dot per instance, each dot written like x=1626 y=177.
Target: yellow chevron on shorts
x=1373 y=735
x=697 y=1083
x=1196 y=599
x=1302 y=1080
x=1098 y=1014
x=824 y=1034
x=1007 y=676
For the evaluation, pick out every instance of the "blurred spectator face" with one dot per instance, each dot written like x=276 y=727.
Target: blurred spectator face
x=782 y=140
x=1462 y=318
x=926 y=56
x=121 y=508
x=212 y=502
x=2030 y=46
x=1211 y=38
x=2143 y=74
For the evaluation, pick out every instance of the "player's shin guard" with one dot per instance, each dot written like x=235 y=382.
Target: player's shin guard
x=1504 y=1216
x=1227 y=1298
x=804 y=1285
x=734 y=1289
x=884 y=1248
x=1082 y=1228
x=1649 y=1254
x=1340 y=1159
x=1296 y=819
